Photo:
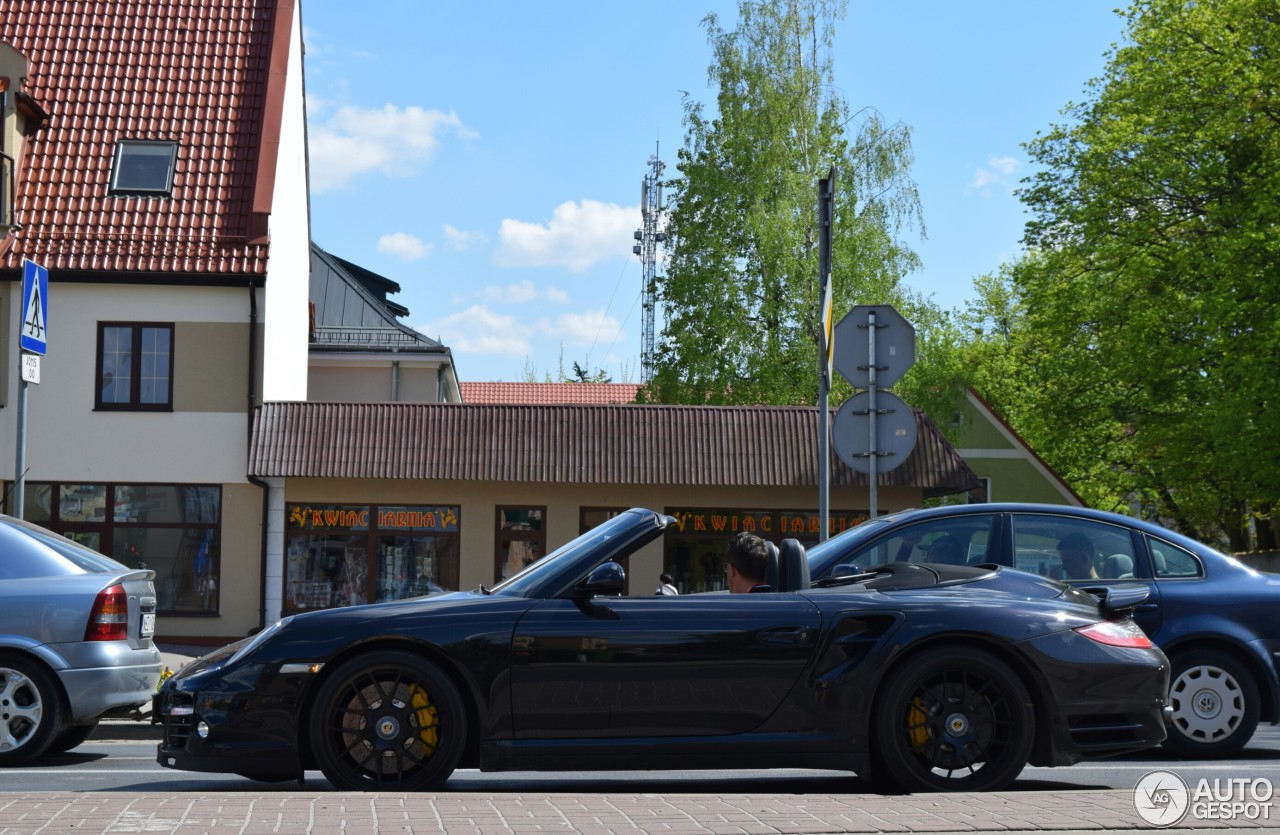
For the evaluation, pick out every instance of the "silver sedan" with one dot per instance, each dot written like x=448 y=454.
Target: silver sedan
x=75 y=641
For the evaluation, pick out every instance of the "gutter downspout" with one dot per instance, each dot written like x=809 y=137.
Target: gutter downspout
x=254 y=480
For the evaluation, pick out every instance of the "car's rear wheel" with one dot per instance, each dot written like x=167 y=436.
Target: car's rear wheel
x=30 y=709
x=1215 y=702
x=70 y=738
x=388 y=721
x=953 y=719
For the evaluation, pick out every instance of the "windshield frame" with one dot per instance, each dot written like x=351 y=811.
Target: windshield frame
x=613 y=539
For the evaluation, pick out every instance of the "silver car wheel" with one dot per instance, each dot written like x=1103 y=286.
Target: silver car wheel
x=21 y=709
x=1208 y=703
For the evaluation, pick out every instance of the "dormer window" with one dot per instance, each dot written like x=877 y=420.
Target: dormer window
x=143 y=168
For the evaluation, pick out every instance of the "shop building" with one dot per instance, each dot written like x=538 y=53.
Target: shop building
x=384 y=500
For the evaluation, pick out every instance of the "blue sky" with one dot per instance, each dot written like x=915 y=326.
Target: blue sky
x=488 y=156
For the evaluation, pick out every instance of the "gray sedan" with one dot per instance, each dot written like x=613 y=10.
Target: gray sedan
x=75 y=641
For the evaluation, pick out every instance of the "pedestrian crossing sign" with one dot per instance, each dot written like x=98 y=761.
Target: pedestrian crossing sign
x=34 y=332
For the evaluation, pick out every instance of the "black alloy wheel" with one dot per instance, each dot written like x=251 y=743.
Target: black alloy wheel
x=388 y=721
x=952 y=719
x=30 y=709
x=1215 y=702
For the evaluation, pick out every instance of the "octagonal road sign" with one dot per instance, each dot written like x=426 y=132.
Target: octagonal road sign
x=895 y=431
x=895 y=345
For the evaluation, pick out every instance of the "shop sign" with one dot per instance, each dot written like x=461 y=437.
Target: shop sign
x=787 y=523
x=359 y=517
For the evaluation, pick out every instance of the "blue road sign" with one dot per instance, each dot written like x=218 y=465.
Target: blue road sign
x=35 y=308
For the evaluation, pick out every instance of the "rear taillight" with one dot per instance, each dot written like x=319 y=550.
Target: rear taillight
x=109 y=620
x=1116 y=633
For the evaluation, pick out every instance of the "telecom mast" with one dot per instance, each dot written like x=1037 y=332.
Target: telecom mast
x=649 y=237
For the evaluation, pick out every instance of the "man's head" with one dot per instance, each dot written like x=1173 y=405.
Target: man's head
x=747 y=559
x=1076 y=552
x=666 y=579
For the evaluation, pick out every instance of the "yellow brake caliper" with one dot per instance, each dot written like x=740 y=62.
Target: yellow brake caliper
x=917 y=724
x=428 y=718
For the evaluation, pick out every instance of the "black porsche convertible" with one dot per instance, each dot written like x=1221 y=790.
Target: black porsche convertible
x=919 y=676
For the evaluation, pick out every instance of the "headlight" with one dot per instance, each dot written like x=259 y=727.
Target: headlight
x=258 y=640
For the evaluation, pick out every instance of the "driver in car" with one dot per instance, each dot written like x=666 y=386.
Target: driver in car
x=745 y=562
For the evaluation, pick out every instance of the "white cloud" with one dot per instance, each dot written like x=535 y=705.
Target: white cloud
x=479 y=330
x=462 y=241
x=404 y=246
x=577 y=236
x=522 y=293
x=589 y=328
x=352 y=141
x=1005 y=165
x=998 y=173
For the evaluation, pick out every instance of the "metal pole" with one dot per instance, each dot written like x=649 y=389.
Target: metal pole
x=871 y=393
x=826 y=197
x=20 y=458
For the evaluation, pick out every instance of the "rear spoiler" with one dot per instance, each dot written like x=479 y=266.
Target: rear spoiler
x=1119 y=601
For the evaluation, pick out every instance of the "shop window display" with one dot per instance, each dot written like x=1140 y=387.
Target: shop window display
x=346 y=555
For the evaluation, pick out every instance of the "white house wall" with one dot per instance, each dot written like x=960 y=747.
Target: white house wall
x=68 y=440
x=289 y=269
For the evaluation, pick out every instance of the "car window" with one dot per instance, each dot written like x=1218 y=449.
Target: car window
x=1067 y=548
x=28 y=550
x=1171 y=561
x=953 y=540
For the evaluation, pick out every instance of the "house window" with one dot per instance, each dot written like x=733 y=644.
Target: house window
x=173 y=529
x=143 y=168
x=521 y=539
x=135 y=366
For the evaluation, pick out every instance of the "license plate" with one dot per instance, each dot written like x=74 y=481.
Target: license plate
x=148 y=624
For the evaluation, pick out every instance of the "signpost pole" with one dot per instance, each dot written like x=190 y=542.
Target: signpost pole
x=872 y=471
x=33 y=336
x=20 y=457
x=826 y=197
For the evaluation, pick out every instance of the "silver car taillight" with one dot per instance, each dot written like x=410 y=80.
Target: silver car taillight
x=109 y=620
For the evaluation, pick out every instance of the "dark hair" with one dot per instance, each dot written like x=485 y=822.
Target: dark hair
x=666 y=578
x=1076 y=542
x=749 y=554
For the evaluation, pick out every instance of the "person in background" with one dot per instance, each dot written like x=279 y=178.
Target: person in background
x=746 y=562
x=946 y=550
x=666 y=586
x=1076 y=552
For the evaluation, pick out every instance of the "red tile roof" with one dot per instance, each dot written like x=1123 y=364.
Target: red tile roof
x=549 y=392
x=200 y=72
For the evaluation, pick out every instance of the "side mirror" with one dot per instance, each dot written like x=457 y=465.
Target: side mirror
x=607 y=579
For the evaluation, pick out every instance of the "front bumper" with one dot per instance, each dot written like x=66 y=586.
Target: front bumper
x=226 y=724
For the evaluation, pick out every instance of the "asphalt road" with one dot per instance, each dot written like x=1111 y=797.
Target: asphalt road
x=130 y=766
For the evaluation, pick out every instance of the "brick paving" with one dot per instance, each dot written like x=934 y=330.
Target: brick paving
x=341 y=813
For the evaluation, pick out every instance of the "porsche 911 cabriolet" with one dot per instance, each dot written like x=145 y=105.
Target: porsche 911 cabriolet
x=917 y=676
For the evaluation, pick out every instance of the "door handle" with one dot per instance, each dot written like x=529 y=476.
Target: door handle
x=783 y=634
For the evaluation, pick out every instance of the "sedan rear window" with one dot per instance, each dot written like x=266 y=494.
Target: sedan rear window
x=28 y=550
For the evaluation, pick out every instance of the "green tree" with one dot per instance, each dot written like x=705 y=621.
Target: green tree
x=1148 y=342
x=740 y=290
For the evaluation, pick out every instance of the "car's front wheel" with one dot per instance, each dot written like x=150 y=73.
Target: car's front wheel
x=388 y=721
x=953 y=719
x=30 y=709
x=1215 y=702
